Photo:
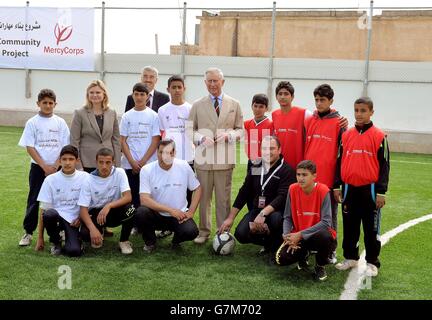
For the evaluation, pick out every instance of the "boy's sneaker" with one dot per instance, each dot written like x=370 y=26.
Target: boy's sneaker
x=55 y=249
x=163 y=233
x=149 y=248
x=25 y=240
x=125 y=247
x=371 y=270
x=320 y=273
x=346 y=264
x=303 y=264
x=134 y=231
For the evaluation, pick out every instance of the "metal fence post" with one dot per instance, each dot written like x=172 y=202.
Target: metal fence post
x=183 y=46
x=28 y=92
x=368 y=48
x=271 y=57
x=102 y=65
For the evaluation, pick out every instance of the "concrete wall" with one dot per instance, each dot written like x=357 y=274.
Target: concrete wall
x=400 y=90
x=396 y=35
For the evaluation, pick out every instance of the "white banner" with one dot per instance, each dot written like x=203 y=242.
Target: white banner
x=47 y=38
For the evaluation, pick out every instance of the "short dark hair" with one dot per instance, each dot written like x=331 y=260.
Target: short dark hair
x=307 y=165
x=46 y=93
x=324 y=90
x=140 y=87
x=175 y=77
x=260 y=98
x=285 y=85
x=105 y=152
x=276 y=139
x=69 y=149
x=166 y=142
x=365 y=100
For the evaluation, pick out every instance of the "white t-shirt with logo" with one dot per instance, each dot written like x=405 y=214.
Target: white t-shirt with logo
x=48 y=135
x=172 y=120
x=139 y=127
x=61 y=192
x=168 y=187
x=97 y=191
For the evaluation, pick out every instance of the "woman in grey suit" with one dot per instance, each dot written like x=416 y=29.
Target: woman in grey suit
x=95 y=126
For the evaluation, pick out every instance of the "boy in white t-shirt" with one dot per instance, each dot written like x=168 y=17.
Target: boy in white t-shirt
x=172 y=122
x=139 y=137
x=44 y=136
x=105 y=200
x=59 y=205
x=163 y=186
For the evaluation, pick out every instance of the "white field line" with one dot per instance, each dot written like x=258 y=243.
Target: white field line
x=411 y=162
x=356 y=278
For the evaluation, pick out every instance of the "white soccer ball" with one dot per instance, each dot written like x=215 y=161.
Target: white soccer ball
x=224 y=243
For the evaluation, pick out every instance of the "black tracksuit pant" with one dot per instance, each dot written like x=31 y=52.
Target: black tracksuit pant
x=322 y=242
x=359 y=208
x=36 y=179
x=149 y=220
x=54 y=223
x=117 y=216
x=271 y=241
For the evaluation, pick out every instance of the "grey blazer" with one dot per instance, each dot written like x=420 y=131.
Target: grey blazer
x=86 y=136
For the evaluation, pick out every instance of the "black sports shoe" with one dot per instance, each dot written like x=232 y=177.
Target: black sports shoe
x=303 y=264
x=163 y=234
x=320 y=273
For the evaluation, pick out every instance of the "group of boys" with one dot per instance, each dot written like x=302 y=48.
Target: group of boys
x=330 y=161
x=333 y=165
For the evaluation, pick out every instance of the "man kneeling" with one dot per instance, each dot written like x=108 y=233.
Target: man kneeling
x=105 y=200
x=307 y=222
x=163 y=189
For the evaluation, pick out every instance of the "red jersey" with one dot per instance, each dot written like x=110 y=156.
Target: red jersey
x=360 y=164
x=289 y=128
x=254 y=133
x=322 y=145
x=306 y=208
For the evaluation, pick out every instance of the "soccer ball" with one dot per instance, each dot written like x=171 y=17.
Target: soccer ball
x=224 y=243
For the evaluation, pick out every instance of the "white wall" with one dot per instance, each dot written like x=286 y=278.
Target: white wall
x=400 y=90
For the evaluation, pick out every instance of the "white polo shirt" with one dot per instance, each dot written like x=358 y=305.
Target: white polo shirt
x=168 y=187
x=97 y=191
x=139 y=127
x=61 y=192
x=48 y=135
x=172 y=120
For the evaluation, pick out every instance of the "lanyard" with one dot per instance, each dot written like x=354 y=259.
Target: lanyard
x=268 y=179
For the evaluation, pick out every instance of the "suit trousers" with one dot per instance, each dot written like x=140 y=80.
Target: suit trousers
x=220 y=181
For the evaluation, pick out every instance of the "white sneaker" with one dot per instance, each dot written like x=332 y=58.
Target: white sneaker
x=125 y=247
x=134 y=232
x=371 y=270
x=25 y=240
x=200 y=240
x=346 y=264
x=55 y=249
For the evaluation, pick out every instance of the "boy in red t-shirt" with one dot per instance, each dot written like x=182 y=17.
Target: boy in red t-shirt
x=323 y=136
x=307 y=222
x=288 y=123
x=255 y=130
x=363 y=171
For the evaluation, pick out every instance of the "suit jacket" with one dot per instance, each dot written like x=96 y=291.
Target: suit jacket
x=86 y=136
x=205 y=122
x=159 y=99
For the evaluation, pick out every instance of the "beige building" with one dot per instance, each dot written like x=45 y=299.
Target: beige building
x=396 y=35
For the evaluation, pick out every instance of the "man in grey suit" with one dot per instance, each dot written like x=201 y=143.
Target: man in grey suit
x=217 y=122
x=149 y=77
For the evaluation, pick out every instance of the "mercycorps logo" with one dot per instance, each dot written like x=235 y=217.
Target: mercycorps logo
x=62 y=33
